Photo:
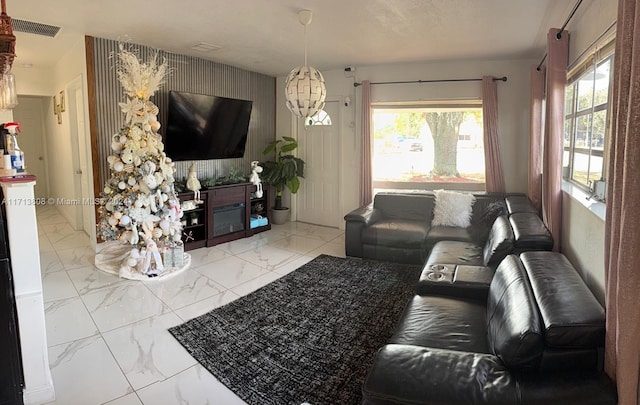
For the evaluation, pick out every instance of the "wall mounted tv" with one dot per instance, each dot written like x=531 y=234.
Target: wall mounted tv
x=201 y=127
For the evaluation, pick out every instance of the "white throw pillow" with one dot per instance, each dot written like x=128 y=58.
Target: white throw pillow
x=452 y=208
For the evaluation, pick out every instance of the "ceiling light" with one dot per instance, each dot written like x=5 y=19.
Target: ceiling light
x=305 y=90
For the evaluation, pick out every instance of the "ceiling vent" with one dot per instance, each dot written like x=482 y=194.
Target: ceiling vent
x=31 y=27
x=205 y=47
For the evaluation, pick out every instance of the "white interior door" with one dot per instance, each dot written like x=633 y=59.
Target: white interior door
x=30 y=114
x=81 y=163
x=318 y=145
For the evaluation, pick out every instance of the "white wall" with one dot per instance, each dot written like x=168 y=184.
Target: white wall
x=49 y=82
x=60 y=143
x=583 y=231
x=34 y=81
x=513 y=117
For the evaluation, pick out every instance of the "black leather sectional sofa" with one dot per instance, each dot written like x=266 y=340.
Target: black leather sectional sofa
x=397 y=227
x=497 y=318
x=537 y=338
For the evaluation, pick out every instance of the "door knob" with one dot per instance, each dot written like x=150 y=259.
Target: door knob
x=78 y=171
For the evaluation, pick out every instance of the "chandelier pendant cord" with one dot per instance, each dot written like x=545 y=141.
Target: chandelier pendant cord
x=305 y=44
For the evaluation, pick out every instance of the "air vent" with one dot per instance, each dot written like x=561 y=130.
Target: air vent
x=205 y=47
x=31 y=27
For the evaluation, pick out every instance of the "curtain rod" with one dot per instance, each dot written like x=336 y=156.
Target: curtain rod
x=502 y=79
x=559 y=34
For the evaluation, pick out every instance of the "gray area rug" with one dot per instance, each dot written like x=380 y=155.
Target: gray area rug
x=309 y=336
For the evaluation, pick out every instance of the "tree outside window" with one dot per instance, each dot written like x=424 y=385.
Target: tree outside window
x=428 y=147
x=586 y=108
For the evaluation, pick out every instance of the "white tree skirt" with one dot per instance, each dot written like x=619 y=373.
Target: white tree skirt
x=111 y=256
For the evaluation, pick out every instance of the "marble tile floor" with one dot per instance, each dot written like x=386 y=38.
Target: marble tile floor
x=107 y=337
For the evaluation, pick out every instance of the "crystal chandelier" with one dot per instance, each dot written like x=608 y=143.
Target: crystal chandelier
x=8 y=94
x=305 y=90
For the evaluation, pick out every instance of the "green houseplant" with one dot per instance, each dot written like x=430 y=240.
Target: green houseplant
x=285 y=170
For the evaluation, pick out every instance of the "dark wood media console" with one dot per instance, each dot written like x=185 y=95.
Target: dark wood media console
x=225 y=215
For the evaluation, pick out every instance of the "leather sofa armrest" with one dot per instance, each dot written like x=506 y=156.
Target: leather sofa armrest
x=367 y=215
x=405 y=374
x=355 y=222
x=455 y=281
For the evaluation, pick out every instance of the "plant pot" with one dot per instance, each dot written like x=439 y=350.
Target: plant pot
x=280 y=216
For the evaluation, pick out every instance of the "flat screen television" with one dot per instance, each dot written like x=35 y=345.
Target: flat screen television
x=201 y=127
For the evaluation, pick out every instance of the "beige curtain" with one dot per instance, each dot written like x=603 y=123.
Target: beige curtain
x=366 y=176
x=557 y=59
x=492 y=156
x=622 y=226
x=536 y=136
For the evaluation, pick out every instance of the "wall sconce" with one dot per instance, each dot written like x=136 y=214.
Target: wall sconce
x=58 y=106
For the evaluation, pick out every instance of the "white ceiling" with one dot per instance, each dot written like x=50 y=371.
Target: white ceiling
x=266 y=36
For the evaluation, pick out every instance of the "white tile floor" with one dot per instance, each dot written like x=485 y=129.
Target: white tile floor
x=107 y=337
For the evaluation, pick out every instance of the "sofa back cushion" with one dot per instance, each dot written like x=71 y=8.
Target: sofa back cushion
x=519 y=203
x=487 y=208
x=572 y=316
x=499 y=243
x=514 y=331
x=529 y=232
x=405 y=206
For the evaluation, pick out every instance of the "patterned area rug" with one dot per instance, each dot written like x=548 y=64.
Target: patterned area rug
x=309 y=336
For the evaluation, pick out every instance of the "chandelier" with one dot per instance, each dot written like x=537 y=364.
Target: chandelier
x=305 y=90
x=8 y=94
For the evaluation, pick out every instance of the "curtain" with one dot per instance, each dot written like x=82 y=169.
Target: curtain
x=366 y=179
x=557 y=59
x=622 y=226
x=536 y=136
x=492 y=155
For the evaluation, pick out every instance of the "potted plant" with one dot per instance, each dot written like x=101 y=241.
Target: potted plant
x=285 y=170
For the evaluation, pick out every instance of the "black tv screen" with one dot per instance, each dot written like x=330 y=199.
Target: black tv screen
x=201 y=127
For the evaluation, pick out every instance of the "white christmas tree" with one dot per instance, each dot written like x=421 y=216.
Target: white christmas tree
x=139 y=203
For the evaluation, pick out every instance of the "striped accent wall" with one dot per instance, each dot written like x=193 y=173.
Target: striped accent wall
x=192 y=75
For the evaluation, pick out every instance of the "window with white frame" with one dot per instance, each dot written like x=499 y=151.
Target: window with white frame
x=428 y=146
x=587 y=118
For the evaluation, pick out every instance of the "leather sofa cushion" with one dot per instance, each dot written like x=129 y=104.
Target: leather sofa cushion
x=572 y=317
x=445 y=323
x=499 y=243
x=418 y=375
x=396 y=232
x=441 y=233
x=394 y=254
x=519 y=203
x=406 y=206
x=513 y=323
x=529 y=232
x=455 y=252
x=486 y=208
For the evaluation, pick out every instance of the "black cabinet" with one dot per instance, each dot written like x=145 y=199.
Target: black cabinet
x=227 y=213
x=194 y=222
x=259 y=209
x=11 y=377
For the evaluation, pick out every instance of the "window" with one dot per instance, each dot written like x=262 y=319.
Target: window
x=586 y=119
x=428 y=146
x=319 y=118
